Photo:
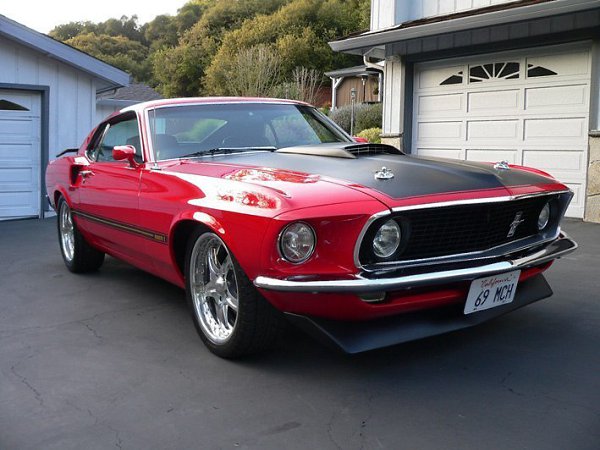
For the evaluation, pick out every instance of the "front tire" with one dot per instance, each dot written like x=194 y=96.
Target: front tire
x=78 y=255
x=230 y=315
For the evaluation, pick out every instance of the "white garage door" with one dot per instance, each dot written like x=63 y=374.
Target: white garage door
x=19 y=154
x=528 y=108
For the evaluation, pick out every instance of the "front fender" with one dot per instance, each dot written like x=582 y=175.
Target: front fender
x=243 y=234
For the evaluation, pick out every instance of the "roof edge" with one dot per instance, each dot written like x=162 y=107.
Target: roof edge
x=62 y=52
x=356 y=44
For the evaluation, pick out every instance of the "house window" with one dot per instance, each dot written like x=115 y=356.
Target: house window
x=6 y=105
x=538 y=71
x=495 y=71
x=453 y=79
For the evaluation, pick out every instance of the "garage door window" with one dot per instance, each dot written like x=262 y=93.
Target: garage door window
x=6 y=105
x=538 y=71
x=496 y=71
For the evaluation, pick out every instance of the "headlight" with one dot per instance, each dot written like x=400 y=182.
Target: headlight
x=387 y=239
x=297 y=242
x=544 y=217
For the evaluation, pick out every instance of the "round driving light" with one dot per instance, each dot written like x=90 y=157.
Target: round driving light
x=387 y=239
x=544 y=217
x=297 y=242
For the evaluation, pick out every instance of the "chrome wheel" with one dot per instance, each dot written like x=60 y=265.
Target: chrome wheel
x=213 y=288
x=67 y=231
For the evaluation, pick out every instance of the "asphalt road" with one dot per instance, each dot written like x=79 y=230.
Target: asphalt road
x=111 y=360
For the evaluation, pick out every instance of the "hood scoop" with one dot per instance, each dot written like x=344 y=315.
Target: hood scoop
x=342 y=150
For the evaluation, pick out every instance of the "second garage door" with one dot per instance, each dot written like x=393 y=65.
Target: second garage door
x=528 y=108
x=19 y=154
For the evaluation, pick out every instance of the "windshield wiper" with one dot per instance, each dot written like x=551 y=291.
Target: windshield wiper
x=226 y=150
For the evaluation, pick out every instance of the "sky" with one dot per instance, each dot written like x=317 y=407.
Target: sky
x=44 y=15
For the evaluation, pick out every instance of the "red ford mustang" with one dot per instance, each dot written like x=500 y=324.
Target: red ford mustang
x=264 y=209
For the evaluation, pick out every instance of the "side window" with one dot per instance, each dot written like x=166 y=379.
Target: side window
x=120 y=133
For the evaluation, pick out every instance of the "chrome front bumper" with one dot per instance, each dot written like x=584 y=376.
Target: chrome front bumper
x=562 y=246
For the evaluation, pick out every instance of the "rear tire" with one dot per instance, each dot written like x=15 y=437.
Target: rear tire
x=230 y=315
x=78 y=255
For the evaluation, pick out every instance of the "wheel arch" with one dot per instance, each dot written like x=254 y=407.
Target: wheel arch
x=57 y=194
x=182 y=229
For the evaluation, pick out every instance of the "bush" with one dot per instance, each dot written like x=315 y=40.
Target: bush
x=365 y=116
x=373 y=135
x=370 y=116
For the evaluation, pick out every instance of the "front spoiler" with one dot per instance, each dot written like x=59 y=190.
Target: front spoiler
x=561 y=246
x=356 y=337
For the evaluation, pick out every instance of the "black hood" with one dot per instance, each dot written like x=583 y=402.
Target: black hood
x=412 y=176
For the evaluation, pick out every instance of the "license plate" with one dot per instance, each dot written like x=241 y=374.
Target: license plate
x=489 y=292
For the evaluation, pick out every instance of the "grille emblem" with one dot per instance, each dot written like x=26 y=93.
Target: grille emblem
x=384 y=174
x=502 y=165
x=515 y=223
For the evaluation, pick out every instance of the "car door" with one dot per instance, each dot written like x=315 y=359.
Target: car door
x=108 y=206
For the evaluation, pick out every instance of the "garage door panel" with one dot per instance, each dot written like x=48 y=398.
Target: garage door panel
x=441 y=153
x=488 y=155
x=554 y=161
x=24 y=102
x=493 y=130
x=17 y=176
x=577 y=204
x=436 y=130
x=549 y=98
x=445 y=103
x=17 y=129
x=565 y=64
x=565 y=129
x=18 y=154
x=504 y=100
x=19 y=204
x=435 y=77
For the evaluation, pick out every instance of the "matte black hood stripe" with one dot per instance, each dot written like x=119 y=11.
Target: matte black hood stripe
x=413 y=176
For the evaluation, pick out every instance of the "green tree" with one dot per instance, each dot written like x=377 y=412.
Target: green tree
x=128 y=55
x=161 y=32
x=72 y=29
x=299 y=32
x=179 y=71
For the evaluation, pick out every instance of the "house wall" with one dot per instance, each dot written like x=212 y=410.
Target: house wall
x=72 y=93
x=344 y=97
x=386 y=13
x=67 y=114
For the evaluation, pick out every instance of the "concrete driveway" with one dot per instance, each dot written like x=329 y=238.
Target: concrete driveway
x=111 y=360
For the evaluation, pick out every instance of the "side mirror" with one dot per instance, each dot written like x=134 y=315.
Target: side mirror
x=125 y=152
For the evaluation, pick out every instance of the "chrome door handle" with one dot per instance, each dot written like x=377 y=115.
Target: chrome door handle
x=85 y=173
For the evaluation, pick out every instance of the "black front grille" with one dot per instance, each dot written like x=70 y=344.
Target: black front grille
x=444 y=231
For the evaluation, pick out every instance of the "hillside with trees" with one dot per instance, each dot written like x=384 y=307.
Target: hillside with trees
x=216 y=47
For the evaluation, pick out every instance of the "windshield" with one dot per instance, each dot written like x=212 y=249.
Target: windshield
x=196 y=129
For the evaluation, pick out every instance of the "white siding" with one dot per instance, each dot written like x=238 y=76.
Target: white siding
x=385 y=13
x=71 y=115
x=103 y=111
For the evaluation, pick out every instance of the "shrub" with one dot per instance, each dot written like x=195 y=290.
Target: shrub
x=365 y=116
x=373 y=135
x=369 y=116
